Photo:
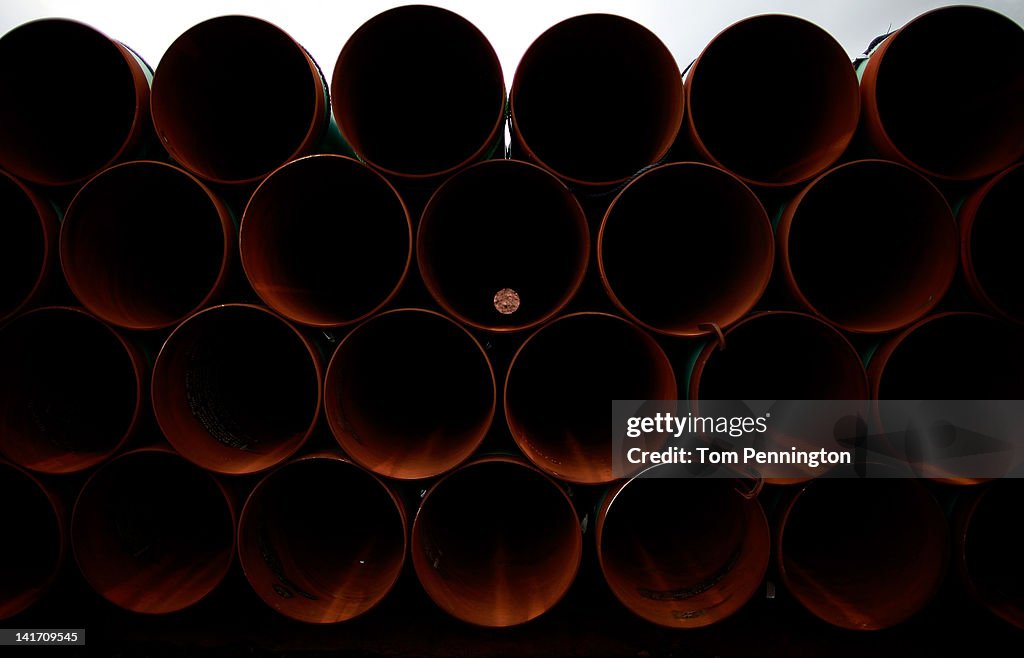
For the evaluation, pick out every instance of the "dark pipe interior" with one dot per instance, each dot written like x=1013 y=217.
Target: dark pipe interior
x=994 y=244
x=418 y=90
x=993 y=546
x=784 y=356
x=143 y=245
x=152 y=533
x=774 y=99
x=325 y=240
x=534 y=241
x=864 y=554
x=235 y=389
x=496 y=544
x=687 y=564
x=955 y=116
x=562 y=381
x=873 y=246
x=58 y=129
x=409 y=394
x=23 y=246
x=694 y=232
x=321 y=540
x=597 y=98
x=234 y=97
x=31 y=551
x=69 y=391
x=956 y=357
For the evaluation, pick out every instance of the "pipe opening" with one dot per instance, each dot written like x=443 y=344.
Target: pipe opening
x=994 y=232
x=60 y=129
x=871 y=246
x=152 y=533
x=389 y=77
x=236 y=389
x=70 y=390
x=591 y=75
x=780 y=356
x=25 y=242
x=325 y=241
x=33 y=547
x=424 y=365
x=321 y=540
x=991 y=551
x=561 y=381
x=765 y=125
x=682 y=565
x=863 y=554
x=534 y=242
x=235 y=97
x=496 y=543
x=694 y=231
x=964 y=130
x=144 y=245
x=956 y=356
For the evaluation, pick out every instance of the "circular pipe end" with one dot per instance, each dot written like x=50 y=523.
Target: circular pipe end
x=385 y=83
x=772 y=125
x=145 y=244
x=321 y=540
x=560 y=383
x=152 y=533
x=695 y=231
x=70 y=390
x=326 y=241
x=409 y=394
x=107 y=110
x=496 y=543
x=236 y=389
x=555 y=115
x=28 y=245
x=235 y=97
x=504 y=266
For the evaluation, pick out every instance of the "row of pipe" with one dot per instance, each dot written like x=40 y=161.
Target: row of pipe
x=768 y=129
x=410 y=394
x=496 y=543
x=870 y=246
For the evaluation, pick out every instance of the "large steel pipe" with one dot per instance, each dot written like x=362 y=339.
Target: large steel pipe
x=563 y=379
x=152 y=533
x=235 y=97
x=28 y=245
x=71 y=390
x=778 y=355
x=409 y=394
x=503 y=266
x=692 y=230
x=862 y=554
x=145 y=244
x=496 y=543
x=870 y=246
x=956 y=117
x=325 y=241
x=773 y=99
x=62 y=129
x=991 y=231
x=687 y=564
x=321 y=540
x=987 y=542
x=595 y=99
x=33 y=547
x=236 y=389
x=419 y=93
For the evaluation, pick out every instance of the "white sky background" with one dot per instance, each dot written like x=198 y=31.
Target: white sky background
x=510 y=25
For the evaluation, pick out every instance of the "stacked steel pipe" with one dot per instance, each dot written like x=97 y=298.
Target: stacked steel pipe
x=408 y=339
